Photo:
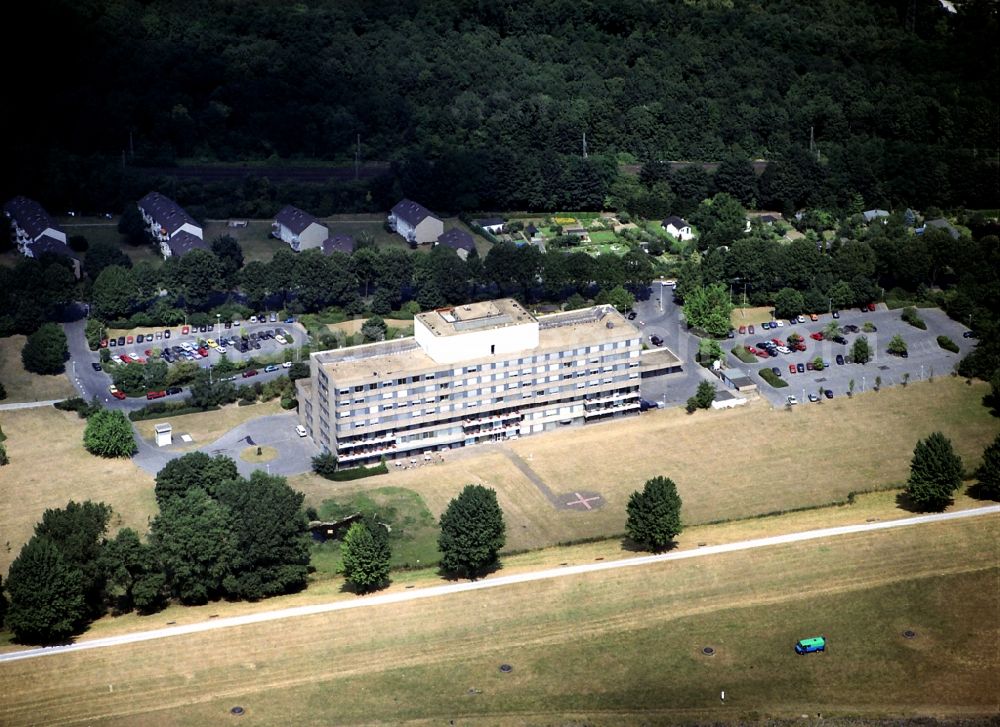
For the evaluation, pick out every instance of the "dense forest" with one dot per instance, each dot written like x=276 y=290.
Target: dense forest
x=483 y=104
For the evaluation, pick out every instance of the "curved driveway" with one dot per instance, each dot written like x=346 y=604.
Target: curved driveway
x=434 y=591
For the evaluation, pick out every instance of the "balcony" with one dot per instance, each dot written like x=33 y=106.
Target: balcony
x=496 y=418
x=604 y=411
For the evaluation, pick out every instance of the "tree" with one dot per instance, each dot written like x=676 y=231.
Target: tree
x=47 y=602
x=255 y=282
x=132 y=227
x=109 y=434
x=709 y=350
x=472 y=531
x=45 y=351
x=103 y=254
x=850 y=388
x=935 y=473
x=114 y=292
x=654 y=515
x=861 y=351
x=841 y=294
x=709 y=309
x=4 y=458
x=366 y=557
x=897 y=346
x=193 y=536
x=720 y=221
x=78 y=531
x=737 y=178
x=831 y=330
x=705 y=394
x=230 y=255
x=199 y=277
x=374 y=329
x=878 y=383
x=195 y=469
x=325 y=464
x=788 y=303
x=988 y=472
x=270 y=535
x=134 y=576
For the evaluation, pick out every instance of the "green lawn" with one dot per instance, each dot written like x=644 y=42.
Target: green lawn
x=413 y=530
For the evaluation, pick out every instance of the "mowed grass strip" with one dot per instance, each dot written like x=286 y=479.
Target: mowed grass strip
x=727 y=465
x=49 y=467
x=207 y=426
x=23 y=385
x=604 y=648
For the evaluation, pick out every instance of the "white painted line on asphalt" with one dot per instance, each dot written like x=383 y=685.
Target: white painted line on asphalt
x=434 y=591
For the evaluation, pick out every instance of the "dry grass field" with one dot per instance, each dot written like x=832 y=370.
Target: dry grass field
x=22 y=385
x=746 y=316
x=49 y=467
x=727 y=464
x=608 y=648
x=354 y=326
x=206 y=427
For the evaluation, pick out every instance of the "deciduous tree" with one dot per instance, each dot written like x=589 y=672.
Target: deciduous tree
x=988 y=472
x=109 y=434
x=709 y=309
x=45 y=351
x=195 y=469
x=47 y=603
x=472 y=532
x=935 y=473
x=654 y=515
x=366 y=556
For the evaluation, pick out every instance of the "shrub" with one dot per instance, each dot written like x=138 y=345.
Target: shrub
x=910 y=315
x=776 y=381
x=947 y=344
x=743 y=355
x=79 y=405
x=4 y=459
x=357 y=473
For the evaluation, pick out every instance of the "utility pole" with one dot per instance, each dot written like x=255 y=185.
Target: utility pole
x=131 y=144
x=585 y=145
x=357 y=159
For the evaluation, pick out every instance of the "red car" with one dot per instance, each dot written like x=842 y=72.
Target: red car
x=743 y=329
x=203 y=351
x=129 y=339
x=104 y=343
x=113 y=390
x=126 y=358
x=777 y=342
x=809 y=366
x=186 y=330
x=791 y=368
x=155 y=394
x=750 y=349
x=762 y=353
x=799 y=346
x=871 y=307
x=817 y=336
x=149 y=352
x=249 y=373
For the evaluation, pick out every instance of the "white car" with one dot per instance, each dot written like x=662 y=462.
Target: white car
x=800 y=319
x=280 y=339
x=792 y=400
x=784 y=349
x=300 y=430
x=221 y=349
x=781 y=324
x=286 y=365
x=253 y=319
x=117 y=359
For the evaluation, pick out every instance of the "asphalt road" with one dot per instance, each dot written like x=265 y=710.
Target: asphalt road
x=498 y=582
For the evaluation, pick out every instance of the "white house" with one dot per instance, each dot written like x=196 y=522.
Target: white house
x=678 y=228
x=299 y=229
x=415 y=223
x=35 y=233
x=171 y=226
x=493 y=225
x=875 y=214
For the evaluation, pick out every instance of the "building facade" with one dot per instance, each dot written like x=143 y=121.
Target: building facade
x=35 y=233
x=299 y=229
x=415 y=223
x=482 y=372
x=169 y=224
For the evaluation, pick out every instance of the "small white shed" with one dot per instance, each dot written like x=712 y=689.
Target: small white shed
x=164 y=434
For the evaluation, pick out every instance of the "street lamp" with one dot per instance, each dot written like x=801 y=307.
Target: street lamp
x=862 y=383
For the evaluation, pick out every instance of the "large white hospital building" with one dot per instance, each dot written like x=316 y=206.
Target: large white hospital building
x=474 y=373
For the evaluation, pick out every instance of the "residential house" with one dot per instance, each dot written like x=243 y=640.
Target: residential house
x=943 y=224
x=531 y=231
x=767 y=219
x=577 y=230
x=458 y=240
x=35 y=233
x=875 y=214
x=493 y=225
x=299 y=229
x=678 y=228
x=415 y=223
x=339 y=243
x=171 y=226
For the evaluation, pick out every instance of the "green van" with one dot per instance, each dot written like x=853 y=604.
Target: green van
x=807 y=646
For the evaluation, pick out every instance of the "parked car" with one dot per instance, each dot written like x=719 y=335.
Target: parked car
x=817 y=336
x=839 y=360
x=743 y=329
x=800 y=367
x=273 y=317
x=286 y=365
x=762 y=353
x=121 y=340
x=96 y=366
x=730 y=333
x=253 y=319
x=836 y=314
x=792 y=400
x=185 y=330
x=800 y=346
x=300 y=430
x=654 y=339
x=631 y=315
x=155 y=394
x=809 y=366
x=271 y=367
x=839 y=339
x=750 y=329
x=129 y=340
x=211 y=343
x=249 y=372
x=281 y=339
x=290 y=319
x=113 y=390
x=779 y=324
x=813 y=398
x=171 y=390
x=140 y=338
x=221 y=349
x=765 y=325
x=791 y=368
x=968 y=334
x=776 y=371
x=800 y=319
x=784 y=349
x=871 y=307
x=813 y=317
x=112 y=342
x=125 y=358
x=828 y=393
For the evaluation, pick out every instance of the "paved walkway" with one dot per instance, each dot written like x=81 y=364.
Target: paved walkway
x=28 y=404
x=489 y=582
x=295 y=453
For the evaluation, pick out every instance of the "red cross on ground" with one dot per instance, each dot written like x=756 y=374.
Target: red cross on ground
x=585 y=501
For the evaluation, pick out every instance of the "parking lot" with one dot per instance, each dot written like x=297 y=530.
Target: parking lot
x=925 y=357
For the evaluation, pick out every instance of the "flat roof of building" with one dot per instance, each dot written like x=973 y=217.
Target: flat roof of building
x=481 y=316
x=404 y=357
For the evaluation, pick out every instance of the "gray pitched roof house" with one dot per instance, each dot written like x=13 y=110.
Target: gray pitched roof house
x=166 y=220
x=299 y=229
x=458 y=240
x=415 y=223
x=338 y=243
x=874 y=214
x=35 y=233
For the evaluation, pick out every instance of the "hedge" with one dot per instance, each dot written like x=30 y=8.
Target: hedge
x=743 y=355
x=947 y=344
x=164 y=409
x=776 y=381
x=356 y=473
